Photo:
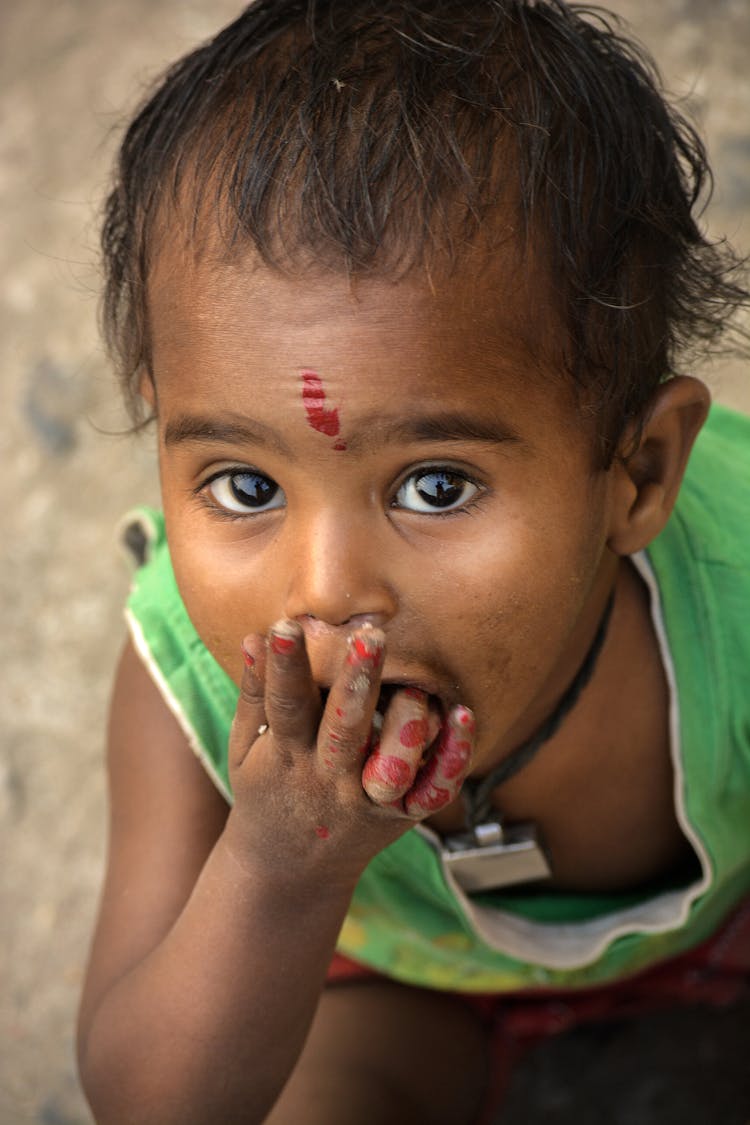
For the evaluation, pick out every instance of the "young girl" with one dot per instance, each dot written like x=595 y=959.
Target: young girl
x=428 y=662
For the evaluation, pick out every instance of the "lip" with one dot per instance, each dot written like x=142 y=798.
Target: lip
x=435 y=691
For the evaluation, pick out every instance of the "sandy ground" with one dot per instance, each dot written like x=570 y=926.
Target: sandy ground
x=69 y=72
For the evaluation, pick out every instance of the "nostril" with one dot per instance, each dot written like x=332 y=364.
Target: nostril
x=357 y=620
x=318 y=626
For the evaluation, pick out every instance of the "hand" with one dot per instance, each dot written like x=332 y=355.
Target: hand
x=319 y=785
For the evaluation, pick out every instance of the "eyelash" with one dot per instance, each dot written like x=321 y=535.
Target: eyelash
x=448 y=470
x=203 y=491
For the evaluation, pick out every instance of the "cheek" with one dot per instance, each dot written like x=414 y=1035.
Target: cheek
x=221 y=594
x=509 y=605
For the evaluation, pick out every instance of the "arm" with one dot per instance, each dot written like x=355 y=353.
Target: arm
x=216 y=928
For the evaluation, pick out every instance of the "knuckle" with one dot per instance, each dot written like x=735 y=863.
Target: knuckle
x=284 y=708
x=251 y=694
x=345 y=743
x=378 y=793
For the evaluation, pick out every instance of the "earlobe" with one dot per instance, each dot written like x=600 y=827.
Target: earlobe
x=648 y=478
x=147 y=390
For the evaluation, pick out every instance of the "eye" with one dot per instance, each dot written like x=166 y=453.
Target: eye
x=245 y=491
x=435 y=490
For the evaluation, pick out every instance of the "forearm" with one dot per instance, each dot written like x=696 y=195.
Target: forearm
x=209 y=1026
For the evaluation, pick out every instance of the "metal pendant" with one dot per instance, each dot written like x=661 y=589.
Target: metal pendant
x=493 y=856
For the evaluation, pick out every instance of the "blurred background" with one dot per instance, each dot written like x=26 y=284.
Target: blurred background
x=70 y=72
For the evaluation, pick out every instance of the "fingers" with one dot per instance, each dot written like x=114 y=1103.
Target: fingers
x=392 y=765
x=396 y=775
x=406 y=771
x=251 y=708
x=346 y=728
x=276 y=690
x=439 y=781
x=292 y=700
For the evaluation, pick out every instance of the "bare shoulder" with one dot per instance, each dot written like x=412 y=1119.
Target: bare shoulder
x=165 y=816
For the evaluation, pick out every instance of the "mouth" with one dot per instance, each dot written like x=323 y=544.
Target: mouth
x=436 y=704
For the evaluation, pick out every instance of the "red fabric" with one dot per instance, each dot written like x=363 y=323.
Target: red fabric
x=716 y=973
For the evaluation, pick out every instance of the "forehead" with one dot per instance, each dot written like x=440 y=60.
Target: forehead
x=489 y=316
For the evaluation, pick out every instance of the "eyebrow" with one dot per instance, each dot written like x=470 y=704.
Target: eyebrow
x=374 y=430
x=225 y=429
x=442 y=426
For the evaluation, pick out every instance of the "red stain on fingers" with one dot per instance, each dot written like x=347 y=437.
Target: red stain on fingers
x=364 y=649
x=389 y=769
x=414 y=733
x=439 y=781
x=282 y=645
x=455 y=755
x=426 y=796
x=386 y=777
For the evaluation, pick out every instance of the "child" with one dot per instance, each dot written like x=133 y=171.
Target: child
x=422 y=666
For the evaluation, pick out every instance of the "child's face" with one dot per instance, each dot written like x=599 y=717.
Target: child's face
x=388 y=454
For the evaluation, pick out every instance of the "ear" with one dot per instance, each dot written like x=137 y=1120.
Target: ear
x=147 y=388
x=648 y=478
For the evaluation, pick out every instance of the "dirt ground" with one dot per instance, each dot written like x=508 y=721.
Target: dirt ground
x=69 y=72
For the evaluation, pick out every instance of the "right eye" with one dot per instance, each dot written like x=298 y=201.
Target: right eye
x=245 y=492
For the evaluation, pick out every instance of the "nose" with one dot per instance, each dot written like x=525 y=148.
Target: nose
x=337 y=576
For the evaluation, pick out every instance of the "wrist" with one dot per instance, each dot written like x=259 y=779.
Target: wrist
x=268 y=865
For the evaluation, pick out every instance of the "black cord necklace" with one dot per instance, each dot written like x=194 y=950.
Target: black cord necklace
x=489 y=854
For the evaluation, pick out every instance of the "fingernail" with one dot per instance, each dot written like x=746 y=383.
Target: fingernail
x=366 y=647
x=284 y=637
x=249 y=660
x=464 y=719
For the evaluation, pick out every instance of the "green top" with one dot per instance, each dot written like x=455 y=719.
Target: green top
x=408 y=919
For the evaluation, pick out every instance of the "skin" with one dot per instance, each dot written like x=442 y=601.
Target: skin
x=337 y=404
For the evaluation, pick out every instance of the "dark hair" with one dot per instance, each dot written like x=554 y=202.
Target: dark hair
x=371 y=135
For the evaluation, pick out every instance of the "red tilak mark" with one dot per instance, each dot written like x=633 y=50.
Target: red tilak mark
x=388 y=769
x=322 y=832
x=328 y=762
x=323 y=420
x=282 y=645
x=414 y=733
x=414 y=693
x=340 y=447
x=339 y=712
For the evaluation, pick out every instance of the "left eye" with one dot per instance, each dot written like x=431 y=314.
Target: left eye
x=435 y=490
x=245 y=492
